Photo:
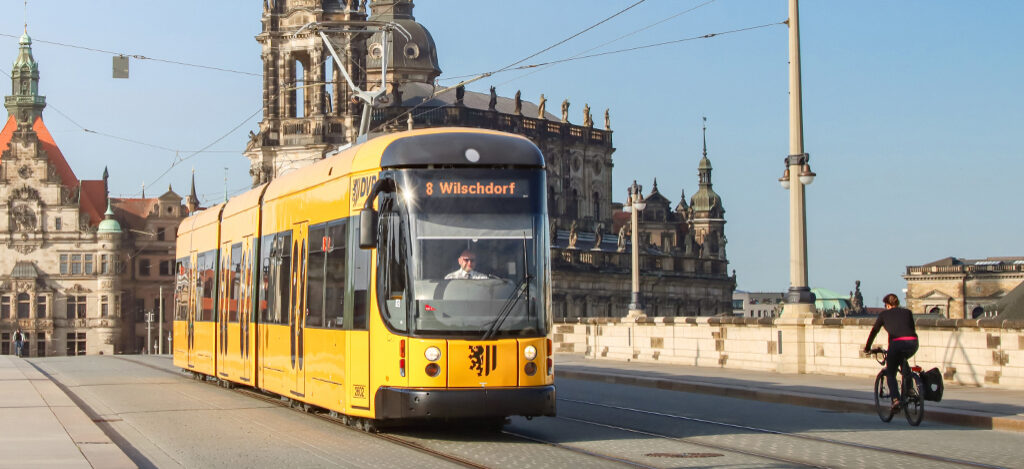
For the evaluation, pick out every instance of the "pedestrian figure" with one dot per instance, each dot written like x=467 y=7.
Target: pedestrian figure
x=19 y=341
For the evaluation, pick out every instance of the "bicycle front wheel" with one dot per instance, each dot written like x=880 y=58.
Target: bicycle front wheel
x=883 y=402
x=913 y=400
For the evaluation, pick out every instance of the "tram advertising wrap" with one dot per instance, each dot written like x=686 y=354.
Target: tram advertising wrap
x=424 y=295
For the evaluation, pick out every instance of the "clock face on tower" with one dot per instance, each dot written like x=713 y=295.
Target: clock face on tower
x=25 y=172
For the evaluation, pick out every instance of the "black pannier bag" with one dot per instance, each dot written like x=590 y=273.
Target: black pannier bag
x=932 y=385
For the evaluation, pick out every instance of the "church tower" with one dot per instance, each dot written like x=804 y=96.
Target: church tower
x=308 y=108
x=708 y=215
x=24 y=103
x=307 y=105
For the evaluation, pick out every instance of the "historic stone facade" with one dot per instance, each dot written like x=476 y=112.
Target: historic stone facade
x=961 y=288
x=310 y=110
x=63 y=251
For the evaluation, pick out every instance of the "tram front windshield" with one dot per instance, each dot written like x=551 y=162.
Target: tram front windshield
x=474 y=266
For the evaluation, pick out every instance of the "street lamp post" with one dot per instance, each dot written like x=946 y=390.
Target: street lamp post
x=799 y=299
x=636 y=204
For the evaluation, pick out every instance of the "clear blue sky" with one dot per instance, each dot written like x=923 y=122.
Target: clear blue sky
x=913 y=110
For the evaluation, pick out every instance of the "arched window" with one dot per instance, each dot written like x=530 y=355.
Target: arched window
x=935 y=310
x=24 y=305
x=977 y=312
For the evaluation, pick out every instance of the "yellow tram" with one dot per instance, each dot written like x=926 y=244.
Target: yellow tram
x=407 y=277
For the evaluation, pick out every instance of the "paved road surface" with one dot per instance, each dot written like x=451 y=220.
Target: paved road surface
x=161 y=418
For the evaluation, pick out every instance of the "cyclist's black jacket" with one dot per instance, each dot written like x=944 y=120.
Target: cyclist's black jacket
x=898 y=322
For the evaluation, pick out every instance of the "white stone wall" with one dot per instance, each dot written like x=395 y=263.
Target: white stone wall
x=987 y=353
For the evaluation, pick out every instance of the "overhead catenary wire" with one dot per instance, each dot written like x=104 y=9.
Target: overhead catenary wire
x=201 y=150
x=507 y=67
x=115 y=137
x=575 y=58
x=139 y=56
x=563 y=41
x=629 y=34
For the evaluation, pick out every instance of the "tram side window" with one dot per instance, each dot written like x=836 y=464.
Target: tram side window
x=359 y=272
x=334 y=288
x=233 y=281
x=206 y=263
x=280 y=279
x=325 y=285
x=181 y=289
x=266 y=256
x=315 y=275
x=299 y=289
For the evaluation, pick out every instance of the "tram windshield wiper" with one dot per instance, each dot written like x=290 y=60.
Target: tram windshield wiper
x=513 y=299
x=509 y=305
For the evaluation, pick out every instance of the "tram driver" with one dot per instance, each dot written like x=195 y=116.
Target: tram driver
x=467 y=268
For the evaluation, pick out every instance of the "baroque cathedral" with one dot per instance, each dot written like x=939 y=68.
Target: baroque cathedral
x=78 y=269
x=309 y=110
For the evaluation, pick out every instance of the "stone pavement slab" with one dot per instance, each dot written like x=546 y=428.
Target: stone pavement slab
x=42 y=426
x=999 y=409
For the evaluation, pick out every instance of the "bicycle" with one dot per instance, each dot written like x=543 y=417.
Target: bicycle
x=911 y=392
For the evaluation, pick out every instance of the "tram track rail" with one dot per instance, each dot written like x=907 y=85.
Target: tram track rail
x=817 y=439
x=289 y=403
x=348 y=423
x=354 y=424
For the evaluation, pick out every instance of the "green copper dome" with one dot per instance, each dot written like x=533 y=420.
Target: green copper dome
x=109 y=224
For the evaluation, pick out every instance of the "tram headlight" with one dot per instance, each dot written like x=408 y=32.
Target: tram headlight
x=432 y=370
x=432 y=354
x=530 y=368
x=530 y=352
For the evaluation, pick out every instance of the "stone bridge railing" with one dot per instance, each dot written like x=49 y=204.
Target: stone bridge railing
x=985 y=352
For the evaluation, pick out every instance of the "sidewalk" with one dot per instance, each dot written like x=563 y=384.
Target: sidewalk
x=998 y=409
x=42 y=426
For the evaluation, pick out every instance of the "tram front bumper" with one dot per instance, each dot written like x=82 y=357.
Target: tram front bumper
x=405 y=403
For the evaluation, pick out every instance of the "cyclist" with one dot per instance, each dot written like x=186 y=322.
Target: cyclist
x=899 y=324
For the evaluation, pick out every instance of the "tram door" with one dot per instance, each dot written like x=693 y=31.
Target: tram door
x=246 y=306
x=193 y=308
x=224 y=296
x=357 y=355
x=298 y=304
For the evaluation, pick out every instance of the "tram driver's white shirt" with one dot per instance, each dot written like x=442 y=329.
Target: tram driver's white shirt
x=464 y=275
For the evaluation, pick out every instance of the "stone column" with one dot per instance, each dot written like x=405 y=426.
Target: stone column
x=316 y=92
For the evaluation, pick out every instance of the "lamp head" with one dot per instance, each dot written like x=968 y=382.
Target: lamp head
x=784 y=180
x=806 y=175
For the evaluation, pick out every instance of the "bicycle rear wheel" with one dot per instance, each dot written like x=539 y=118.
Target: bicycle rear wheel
x=913 y=400
x=883 y=402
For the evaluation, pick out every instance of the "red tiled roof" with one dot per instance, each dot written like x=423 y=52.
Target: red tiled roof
x=47 y=144
x=133 y=211
x=7 y=133
x=620 y=218
x=93 y=201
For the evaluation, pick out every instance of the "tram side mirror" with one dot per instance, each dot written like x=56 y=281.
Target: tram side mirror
x=368 y=228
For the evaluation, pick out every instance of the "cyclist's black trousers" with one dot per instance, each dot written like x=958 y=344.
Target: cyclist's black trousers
x=899 y=352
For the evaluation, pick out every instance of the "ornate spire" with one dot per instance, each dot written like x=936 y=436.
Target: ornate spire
x=706 y=200
x=192 y=202
x=24 y=102
x=704 y=130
